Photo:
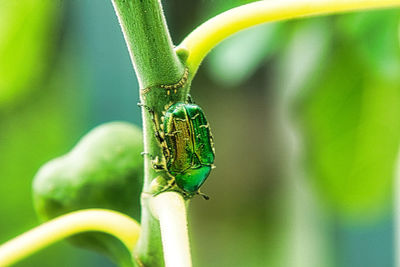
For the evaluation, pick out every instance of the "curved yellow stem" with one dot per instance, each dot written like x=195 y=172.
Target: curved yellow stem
x=110 y=222
x=209 y=34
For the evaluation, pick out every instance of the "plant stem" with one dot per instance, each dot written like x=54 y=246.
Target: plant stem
x=209 y=34
x=396 y=210
x=170 y=209
x=156 y=65
x=119 y=225
x=148 y=41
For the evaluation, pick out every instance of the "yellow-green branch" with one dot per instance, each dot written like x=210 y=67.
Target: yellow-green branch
x=110 y=222
x=210 y=33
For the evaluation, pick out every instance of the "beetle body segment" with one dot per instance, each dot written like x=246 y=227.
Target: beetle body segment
x=190 y=181
x=189 y=141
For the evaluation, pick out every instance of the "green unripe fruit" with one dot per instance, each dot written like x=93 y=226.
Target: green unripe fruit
x=104 y=170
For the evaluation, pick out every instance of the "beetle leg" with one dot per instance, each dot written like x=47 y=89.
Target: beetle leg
x=158 y=165
x=154 y=119
x=159 y=185
x=170 y=184
x=146 y=154
x=157 y=130
x=189 y=99
x=203 y=195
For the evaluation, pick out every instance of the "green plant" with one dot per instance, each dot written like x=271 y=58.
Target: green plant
x=188 y=149
x=104 y=170
x=162 y=70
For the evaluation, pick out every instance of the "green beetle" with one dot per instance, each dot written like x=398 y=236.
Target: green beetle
x=188 y=147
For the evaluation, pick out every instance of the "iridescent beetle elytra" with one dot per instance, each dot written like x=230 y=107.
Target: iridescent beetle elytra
x=188 y=148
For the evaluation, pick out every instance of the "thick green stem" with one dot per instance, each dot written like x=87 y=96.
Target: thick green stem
x=149 y=43
x=163 y=81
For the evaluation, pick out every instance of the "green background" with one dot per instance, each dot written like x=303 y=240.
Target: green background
x=305 y=115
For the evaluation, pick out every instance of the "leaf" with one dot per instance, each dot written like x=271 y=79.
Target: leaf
x=303 y=56
x=26 y=39
x=237 y=58
x=343 y=86
x=374 y=33
x=352 y=128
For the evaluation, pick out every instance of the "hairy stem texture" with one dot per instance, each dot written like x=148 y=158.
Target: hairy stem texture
x=159 y=69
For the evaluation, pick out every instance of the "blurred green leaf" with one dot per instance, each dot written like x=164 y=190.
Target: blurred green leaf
x=374 y=33
x=44 y=127
x=237 y=58
x=26 y=39
x=303 y=55
x=352 y=128
x=340 y=75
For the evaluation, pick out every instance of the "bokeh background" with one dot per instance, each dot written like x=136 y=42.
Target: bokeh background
x=305 y=114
